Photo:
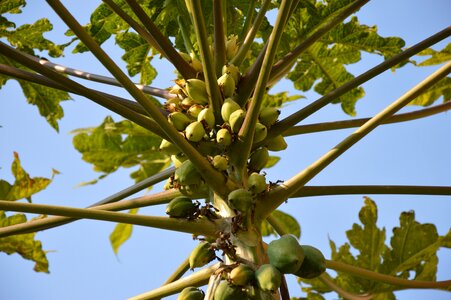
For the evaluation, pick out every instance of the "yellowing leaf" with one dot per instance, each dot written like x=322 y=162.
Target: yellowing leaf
x=24 y=244
x=121 y=233
x=287 y=222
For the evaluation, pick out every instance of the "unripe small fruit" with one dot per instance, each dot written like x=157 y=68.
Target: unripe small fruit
x=187 y=174
x=179 y=120
x=277 y=143
x=258 y=159
x=286 y=254
x=231 y=46
x=242 y=275
x=240 y=199
x=191 y=293
x=228 y=107
x=168 y=148
x=207 y=116
x=195 y=131
x=201 y=255
x=236 y=119
x=256 y=183
x=224 y=137
x=268 y=278
x=227 y=85
x=197 y=65
x=233 y=70
x=260 y=132
x=314 y=263
x=220 y=162
x=194 y=110
x=227 y=291
x=181 y=207
x=197 y=91
x=268 y=116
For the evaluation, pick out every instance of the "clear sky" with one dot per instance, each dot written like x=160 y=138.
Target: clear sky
x=82 y=263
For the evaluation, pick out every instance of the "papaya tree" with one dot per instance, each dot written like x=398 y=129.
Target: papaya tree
x=207 y=140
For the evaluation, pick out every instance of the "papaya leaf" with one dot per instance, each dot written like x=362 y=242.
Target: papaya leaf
x=121 y=233
x=24 y=244
x=412 y=253
x=322 y=66
x=12 y=6
x=31 y=36
x=289 y=224
x=46 y=99
x=436 y=57
x=24 y=186
x=112 y=145
x=137 y=56
x=441 y=88
x=279 y=99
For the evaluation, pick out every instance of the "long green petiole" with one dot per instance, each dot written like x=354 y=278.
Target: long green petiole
x=278 y=195
x=335 y=125
x=219 y=35
x=178 y=273
x=413 y=284
x=327 y=280
x=198 y=227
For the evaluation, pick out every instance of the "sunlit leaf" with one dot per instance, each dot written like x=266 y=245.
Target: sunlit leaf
x=12 y=6
x=24 y=244
x=24 y=186
x=436 y=57
x=112 y=145
x=272 y=161
x=438 y=90
x=279 y=99
x=121 y=233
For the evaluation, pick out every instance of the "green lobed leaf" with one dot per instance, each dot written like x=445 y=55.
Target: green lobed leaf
x=113 y=145
x=121 y=233
x=29 y=37
x=436 y=57
x=47 y=100
x=412 y=253
x=12 y=6
x=289 y=224
x=24 y=186
x=279 y=99
x=137 y=56
x=322 y=66
x=438 y=90
x=272 y=161
x=24 y=244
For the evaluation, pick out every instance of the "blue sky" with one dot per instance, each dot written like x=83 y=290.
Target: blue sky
x=82 y=263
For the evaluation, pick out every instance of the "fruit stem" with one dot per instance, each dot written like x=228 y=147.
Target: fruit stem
x=247 y=21
x=278 y=226
x=360 y=272
x=342 y=124
x=276 y=197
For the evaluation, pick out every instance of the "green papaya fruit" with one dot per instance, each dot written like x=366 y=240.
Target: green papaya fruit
x=227 y=85
x=201 y=255
x=242 y=275
x=236 y=119
x=187 y=174
x=258 y=159
x=268 y=278
x=168 y=148
x=277 y=143
x=220 y=162
x=256 y=183
x=227 y=291
x=314 y=263
x=268 y=116
x=228 y=107
x=231 y=46
x=179 y=120
x=195 y=131
x=260 y=132
x=240 y=199
x=178 y=159
x=181 y=207
x=207 y=116
x=224 y=137
x=197 y=91
x=233 y=70
x=191 y=293
x=194 y=110
x=286 y=254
